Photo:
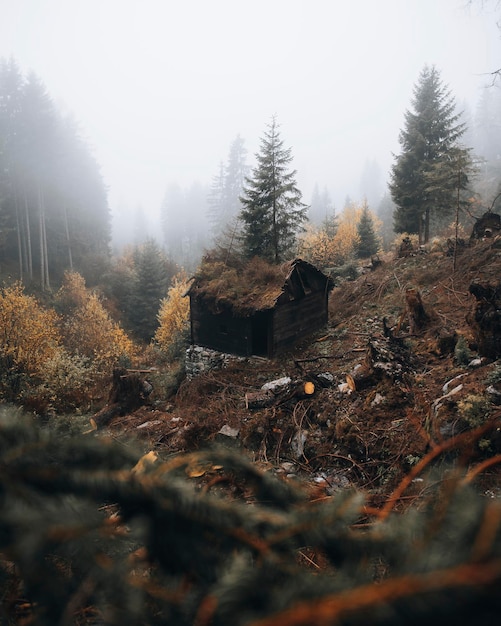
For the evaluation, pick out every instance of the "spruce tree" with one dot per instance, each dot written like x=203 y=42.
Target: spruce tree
x=321 y=207
x=215 y=201
x=367 y=244
x=150 y=287
x=235 y=173
x=429 y=145
x=272 y=211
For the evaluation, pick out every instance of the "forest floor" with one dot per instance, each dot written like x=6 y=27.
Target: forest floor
x=372 y=432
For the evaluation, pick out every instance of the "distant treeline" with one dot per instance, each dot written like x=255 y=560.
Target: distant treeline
x=54 y=211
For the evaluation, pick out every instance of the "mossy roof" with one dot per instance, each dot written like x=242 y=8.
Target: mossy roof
x=242 y=288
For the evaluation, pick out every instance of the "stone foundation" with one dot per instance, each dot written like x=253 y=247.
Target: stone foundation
x=200 y=360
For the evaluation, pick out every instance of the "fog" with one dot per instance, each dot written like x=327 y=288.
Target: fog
x=160 y=88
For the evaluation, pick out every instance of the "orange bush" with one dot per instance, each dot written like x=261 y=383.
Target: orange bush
x=88 y=329
x=29 y=334
x=174 y=314
x=320 y=248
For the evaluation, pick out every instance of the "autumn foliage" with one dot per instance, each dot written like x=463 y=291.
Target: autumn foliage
x=173 y=316
x=56 y=358
x=29 y=336
x=88 y=328
x=324 y=248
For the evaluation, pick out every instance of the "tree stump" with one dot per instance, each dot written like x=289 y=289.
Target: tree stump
x=485 y=318
x=406 y=248
x=386 y=357
x=418 y=318
x=489 y=225
x=259 y=399
x=128 y=392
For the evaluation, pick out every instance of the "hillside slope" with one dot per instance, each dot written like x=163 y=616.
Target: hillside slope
x=380 y=381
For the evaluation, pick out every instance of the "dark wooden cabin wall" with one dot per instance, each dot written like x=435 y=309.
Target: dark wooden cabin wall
x=221 y=332
x=299 y=310
x=298 y=318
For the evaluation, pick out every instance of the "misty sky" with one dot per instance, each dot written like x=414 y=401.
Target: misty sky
x=160 y=88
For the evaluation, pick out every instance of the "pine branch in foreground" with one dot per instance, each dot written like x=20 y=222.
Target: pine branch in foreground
x=91 y=534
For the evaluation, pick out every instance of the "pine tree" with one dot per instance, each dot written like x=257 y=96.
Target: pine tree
x=185 y=226
x=321 y=207
x=272 y=211
x=215 y=201
x=385 y=210
x=150 y=286
x=367 y=243
x=487 y=144
x=429 y=144
x=371 y=182
x=226 y=189
x=236 y=172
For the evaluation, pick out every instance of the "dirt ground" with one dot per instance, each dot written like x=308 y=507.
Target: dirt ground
x=423 y=393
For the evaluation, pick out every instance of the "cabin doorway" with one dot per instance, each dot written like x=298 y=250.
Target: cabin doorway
x=260 y=334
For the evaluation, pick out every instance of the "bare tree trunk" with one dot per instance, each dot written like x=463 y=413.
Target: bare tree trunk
x=29 y=254
x=275 y=228
x=19 y=236
x=67 y=230
x=46 y=254
x=427 y=225
x=44 y=268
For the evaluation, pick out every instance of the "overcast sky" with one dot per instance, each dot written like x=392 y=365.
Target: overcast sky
x=161 y=88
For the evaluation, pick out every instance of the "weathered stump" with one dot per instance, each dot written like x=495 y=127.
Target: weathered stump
x=360 y=377
x=406 y=248
x=489 y=225
x=128 y=392
x=485 y=318
x=386 y=357
x=418 y=317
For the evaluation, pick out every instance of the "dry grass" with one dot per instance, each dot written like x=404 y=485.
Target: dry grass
x=244 y=288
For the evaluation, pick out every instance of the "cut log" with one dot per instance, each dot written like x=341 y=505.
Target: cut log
x=360 y=377
x=309 y=388
x=259 y=399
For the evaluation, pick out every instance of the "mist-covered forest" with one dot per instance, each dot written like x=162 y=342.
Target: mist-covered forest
x=270 y=488
x=55 y=213
x=55 y=218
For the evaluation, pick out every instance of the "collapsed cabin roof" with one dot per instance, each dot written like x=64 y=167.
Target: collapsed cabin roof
x=247 y=288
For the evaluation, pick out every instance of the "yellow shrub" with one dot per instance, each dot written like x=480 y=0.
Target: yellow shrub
x=89 y=330
x=73 y=292
x=323 y=250
x=29 y=334
x=173 y=316
x=317 y=247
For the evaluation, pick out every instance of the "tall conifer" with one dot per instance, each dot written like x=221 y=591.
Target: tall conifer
x=430 y=145
x=367 y=244
x=272 y=210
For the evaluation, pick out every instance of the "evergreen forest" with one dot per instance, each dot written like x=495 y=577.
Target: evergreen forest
x=353 y=479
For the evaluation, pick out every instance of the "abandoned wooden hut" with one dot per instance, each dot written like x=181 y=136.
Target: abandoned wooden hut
x=257 y=309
